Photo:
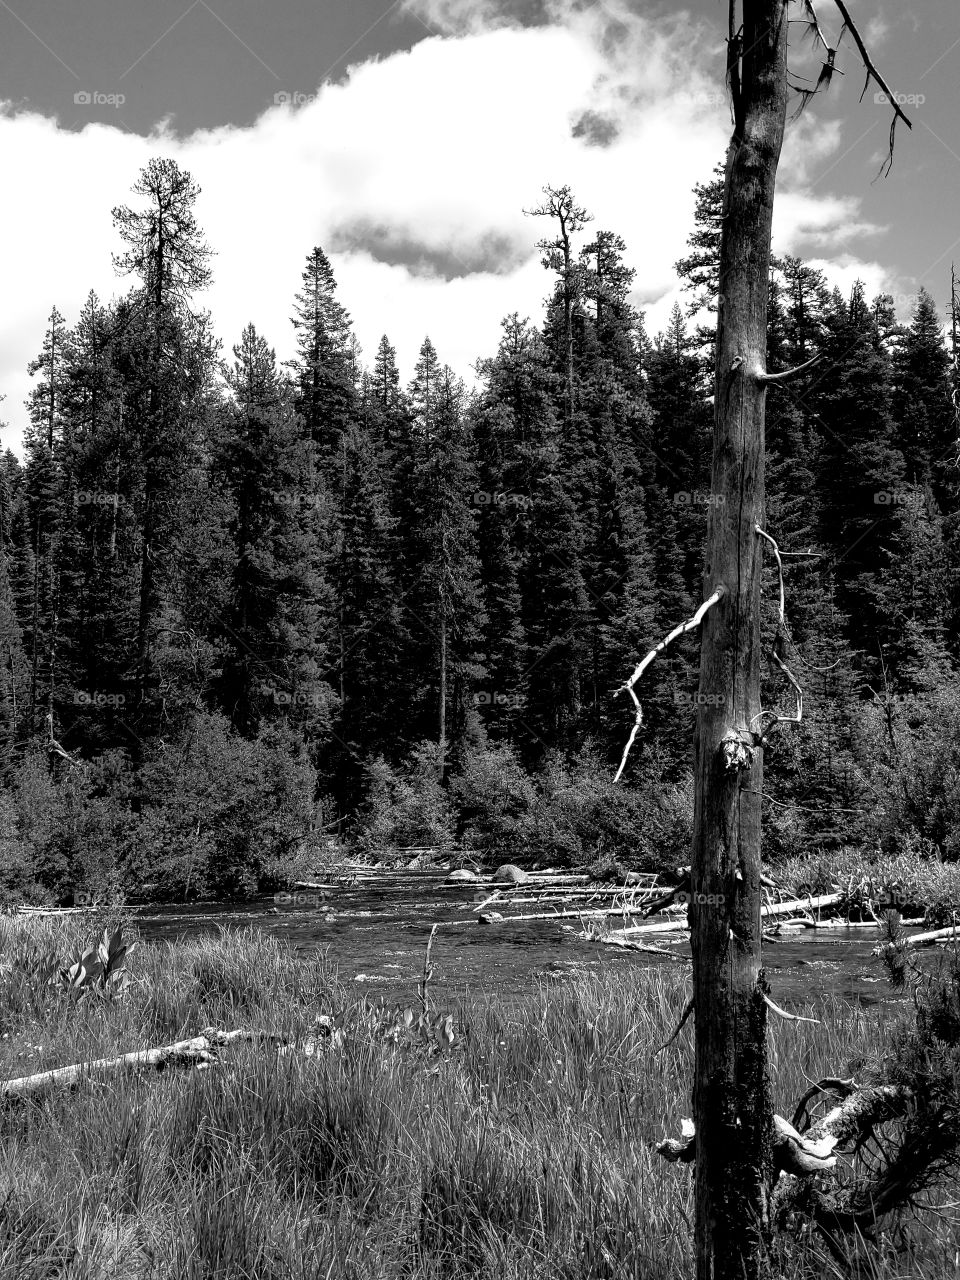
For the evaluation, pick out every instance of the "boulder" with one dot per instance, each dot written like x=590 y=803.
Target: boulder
x=510 y=874
x=489 y=917
x=465 y=875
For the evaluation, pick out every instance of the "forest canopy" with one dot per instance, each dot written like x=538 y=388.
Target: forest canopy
x=252 y=612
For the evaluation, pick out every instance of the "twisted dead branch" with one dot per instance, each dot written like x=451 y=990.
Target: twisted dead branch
x=689 y=625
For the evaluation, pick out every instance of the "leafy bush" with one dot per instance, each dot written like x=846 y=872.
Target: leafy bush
x=494 y=797
x=407 y=806
x=210 y=814
x=581 y=814
x=223 y=815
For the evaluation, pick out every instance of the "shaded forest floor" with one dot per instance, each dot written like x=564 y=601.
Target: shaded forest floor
x=515 y=1141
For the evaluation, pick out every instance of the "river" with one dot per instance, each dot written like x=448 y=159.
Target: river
x=375 y=933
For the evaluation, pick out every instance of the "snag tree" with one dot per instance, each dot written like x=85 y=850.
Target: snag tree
x=738 y=1143
x=733 y=1113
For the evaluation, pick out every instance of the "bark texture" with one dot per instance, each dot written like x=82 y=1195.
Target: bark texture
x=732 y=1106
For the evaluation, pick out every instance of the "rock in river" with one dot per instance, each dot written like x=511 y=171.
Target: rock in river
x=510 y=874
x=468 y=877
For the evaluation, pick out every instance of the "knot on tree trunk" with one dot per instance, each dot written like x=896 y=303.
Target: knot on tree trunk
x=736 y=753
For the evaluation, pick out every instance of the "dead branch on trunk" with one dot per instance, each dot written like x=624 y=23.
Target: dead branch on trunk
x=787 y=375
x=679 y=1027
x=689 y=625
x=782 y=1013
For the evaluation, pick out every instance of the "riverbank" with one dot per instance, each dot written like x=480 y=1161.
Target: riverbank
x=522 y=1145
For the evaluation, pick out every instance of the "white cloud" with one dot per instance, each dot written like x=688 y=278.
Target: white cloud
x=443 y=146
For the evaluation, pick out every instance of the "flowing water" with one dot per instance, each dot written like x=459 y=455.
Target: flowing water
x=375 y=933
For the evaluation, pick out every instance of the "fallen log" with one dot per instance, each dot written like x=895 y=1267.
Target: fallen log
x=53 y=911
x=797 y=1155
x=853 y=1120
x=771 y=909
x=198 y=1051
x=578 y=914
x=950 y=934
x=600 y=891
x=801 y=904
x=679 y=925
x=644 y=946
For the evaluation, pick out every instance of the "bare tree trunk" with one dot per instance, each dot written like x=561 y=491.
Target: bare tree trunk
x=732 y=1106
x=443 y=692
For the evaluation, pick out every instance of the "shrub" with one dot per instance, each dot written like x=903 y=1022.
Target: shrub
x=224 y=815
x=581 y=814
x=407 y=806
x=494 y=797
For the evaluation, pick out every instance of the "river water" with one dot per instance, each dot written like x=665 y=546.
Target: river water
x=375 y=933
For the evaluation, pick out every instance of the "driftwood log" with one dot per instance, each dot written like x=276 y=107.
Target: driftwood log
x=198 y=1051
x=799 y=1152
x=950 y=934
x=769 y=909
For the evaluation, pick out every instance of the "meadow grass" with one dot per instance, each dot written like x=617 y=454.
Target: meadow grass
x=524 y=1149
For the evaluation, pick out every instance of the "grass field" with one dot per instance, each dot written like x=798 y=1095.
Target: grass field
x=522 y=1149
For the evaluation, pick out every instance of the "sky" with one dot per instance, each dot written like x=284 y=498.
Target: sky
x=407 y=139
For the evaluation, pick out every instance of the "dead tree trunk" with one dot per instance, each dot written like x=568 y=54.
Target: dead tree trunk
x=732 y=1106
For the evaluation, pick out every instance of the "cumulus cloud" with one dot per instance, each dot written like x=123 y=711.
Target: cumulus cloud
x=413 y=173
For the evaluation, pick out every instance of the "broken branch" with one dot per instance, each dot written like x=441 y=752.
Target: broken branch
x=790 y=1017
x=873 y=73
x=659 y=648
x=787 y=375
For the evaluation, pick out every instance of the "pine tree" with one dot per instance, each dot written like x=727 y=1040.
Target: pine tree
x=164 y=344
x=699 y=271
x=860 y=471
x=273 y=628
x=324 y=367
x=570 y=217
x=922 y=404
x=442 y=588
x=680 y=441
x=387 y=405
x=911 y=593
x=370 y=617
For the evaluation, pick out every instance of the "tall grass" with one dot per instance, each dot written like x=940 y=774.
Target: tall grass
x=525 y=1149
